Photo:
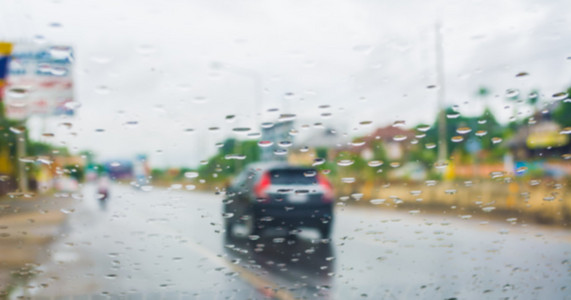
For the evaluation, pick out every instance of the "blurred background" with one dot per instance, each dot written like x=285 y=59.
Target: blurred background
x=421 y=112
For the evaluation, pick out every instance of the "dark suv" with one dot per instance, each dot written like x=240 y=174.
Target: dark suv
x=279 y=195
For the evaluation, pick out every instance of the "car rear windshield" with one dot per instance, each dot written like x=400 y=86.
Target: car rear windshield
x=293 y=176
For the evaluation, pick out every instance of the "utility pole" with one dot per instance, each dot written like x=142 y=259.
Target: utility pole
x=20 y=154
x=442 y=142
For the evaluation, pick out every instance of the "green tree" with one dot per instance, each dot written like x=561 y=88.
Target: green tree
x=562 y=114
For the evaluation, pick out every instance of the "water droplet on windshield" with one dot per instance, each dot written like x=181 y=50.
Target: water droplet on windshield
x=488 y=209
x=61 y=52
x=345 y=162
x=67 y=210
x=241 y=130
x=521 y=74
x=440 y=165
x=566 y=130
x=235 y=157
x=399 y=137
x=481 y=133
x=496 y=140
x=375 y=163
x=39 y=39
x=318 y=161
x=284 y=144
x=17 y=92
x=560 y=96
x=191 y=174
x=280 y=152
x=131 y=124
x=423 y=128
x=286 y=117
x=348 y=179
x=377 y=201
x=102 y=90
x=17 y=129
x=227 y=215
x=464 y=130
x=452 y=115
x=430 y=145
x=457 y=139
x=399 y=123
x=512 y=93
x=365 y=123
x=265 y=144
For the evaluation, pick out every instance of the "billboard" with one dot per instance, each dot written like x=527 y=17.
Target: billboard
x=5 y=50
x=39 y=81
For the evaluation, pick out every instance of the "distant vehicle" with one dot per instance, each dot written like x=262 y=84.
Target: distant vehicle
x=267 y=195
x=103 y=185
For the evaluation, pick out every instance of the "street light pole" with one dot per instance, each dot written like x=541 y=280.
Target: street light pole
x=442 y=143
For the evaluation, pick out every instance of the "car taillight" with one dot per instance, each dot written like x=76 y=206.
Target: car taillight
x=262 y=185
x=327 y=188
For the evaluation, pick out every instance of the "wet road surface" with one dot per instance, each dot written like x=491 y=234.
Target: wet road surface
x=168 y=244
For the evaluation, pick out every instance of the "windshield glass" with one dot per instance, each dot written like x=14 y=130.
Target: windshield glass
x=293 y=176
x=284 y=149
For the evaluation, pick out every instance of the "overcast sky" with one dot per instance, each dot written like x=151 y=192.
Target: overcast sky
x=173 y=65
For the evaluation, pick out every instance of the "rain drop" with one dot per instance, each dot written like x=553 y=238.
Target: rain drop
x=375 y=163
x=191 y=174
x=318 y=161
x=265 y=144
x=464 y=130
x=512 y=93
x=345 y=162
x=481 y=133
x=560 y=96
x=241 y=130
x=285 y=144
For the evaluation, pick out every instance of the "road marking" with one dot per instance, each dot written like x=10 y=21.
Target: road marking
x=262 y=285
